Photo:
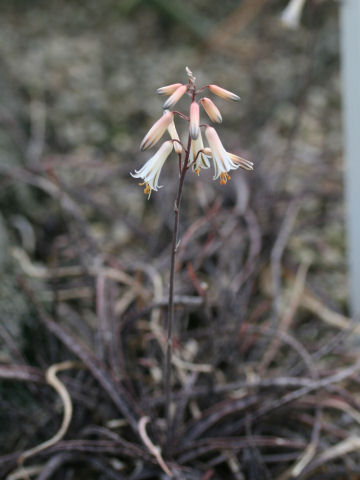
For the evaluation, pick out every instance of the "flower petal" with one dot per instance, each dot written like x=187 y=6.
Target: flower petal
x=150 y=172
x=156 y=131
x=221 y=159
x=175 y=97
x=202 y=160
x=211 y=110
x=242 y=162
x=208 y=152
x=194 y=120
x=221 y=92
x=174 y=135
x=168 y=89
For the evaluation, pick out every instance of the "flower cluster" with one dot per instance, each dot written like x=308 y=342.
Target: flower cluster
x=196 y=155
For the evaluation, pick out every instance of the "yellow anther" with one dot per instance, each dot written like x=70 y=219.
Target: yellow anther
x=147 y=190
x=197 y=171
x=224 y=177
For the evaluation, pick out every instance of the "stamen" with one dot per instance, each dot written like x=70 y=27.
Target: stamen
x=147 y=189
x=197 y=171
x=224 y=177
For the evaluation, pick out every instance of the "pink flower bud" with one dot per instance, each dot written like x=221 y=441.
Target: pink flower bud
x=168 y=89
x=211 y=109
x=175 y=97
x=221 y=92
x=156 y=131
x=194 y=120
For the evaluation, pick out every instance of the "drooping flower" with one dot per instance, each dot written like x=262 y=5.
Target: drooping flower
x=291 y=15
x=211 y=110
x=197 y=157
x=168 y=89
x=194 y=120
x=221 y=158
x=150 y=172
x=175 y=97
x=221 y=92
x=157 y=131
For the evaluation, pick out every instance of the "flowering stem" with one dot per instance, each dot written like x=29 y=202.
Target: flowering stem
x=170 y=317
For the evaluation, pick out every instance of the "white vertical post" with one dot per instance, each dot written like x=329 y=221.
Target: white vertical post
x=350 y=43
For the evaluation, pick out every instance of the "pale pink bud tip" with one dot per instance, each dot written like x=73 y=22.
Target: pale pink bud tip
x=221 y=92
x=211 y=110
x=156 y=131
x=175 y=97
x=168 y=89
x=194 y=120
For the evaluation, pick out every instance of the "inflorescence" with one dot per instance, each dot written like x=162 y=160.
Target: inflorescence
x=196 y=155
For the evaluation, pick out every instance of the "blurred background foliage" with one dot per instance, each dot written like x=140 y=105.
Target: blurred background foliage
x=78 y=82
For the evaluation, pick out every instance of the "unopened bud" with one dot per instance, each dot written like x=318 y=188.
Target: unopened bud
x=175 y=97
x=211 y=110
x=194 y=120
x=156 y=131
x=168 y=89
x=221 y=92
